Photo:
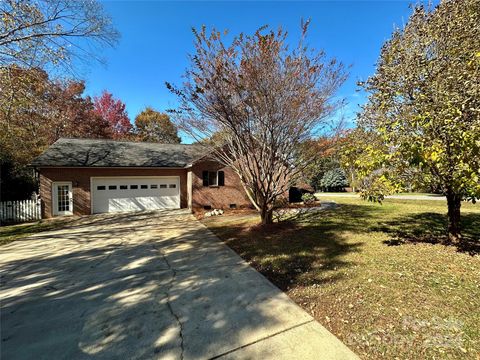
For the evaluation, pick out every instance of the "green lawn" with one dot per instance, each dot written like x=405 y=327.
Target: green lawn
x=325 y=194
x=417 y=194
x=11 y=233
x=374 y=275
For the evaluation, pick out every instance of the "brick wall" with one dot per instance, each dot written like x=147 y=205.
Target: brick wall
x=218 y=197
x=80 y=178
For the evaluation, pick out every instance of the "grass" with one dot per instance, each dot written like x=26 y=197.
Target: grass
x=325 y=194
x=374 y=275
x=12 y=233
x=418 y=194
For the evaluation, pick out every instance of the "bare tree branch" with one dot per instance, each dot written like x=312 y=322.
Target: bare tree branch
x=257 y=101
x=52 y=32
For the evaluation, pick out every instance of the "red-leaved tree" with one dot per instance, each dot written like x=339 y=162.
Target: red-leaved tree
x=113 y=112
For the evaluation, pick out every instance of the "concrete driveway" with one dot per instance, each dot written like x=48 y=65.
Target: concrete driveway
x=146 y=286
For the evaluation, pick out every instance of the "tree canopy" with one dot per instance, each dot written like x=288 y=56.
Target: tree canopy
x=34 y=112
x=113 y=112
x=154 y=126
x=42 y=44
x=40 y=33
x=322 y=155
x=334 y=180
x=424 y=104
x=265 y=98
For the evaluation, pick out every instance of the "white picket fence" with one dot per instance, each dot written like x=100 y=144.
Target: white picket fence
x=20 y=211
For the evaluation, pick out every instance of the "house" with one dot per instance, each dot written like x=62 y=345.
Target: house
x=90 y=176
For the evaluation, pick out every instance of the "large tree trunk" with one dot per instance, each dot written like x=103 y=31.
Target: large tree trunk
x=454 y=202
x=266 y=215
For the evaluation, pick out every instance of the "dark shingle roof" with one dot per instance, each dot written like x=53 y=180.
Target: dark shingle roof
x=111 y=153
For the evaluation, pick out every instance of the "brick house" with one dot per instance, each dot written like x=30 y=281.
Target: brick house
x=87 y=176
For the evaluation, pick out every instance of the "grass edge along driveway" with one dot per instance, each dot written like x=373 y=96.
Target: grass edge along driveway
x=358 y=272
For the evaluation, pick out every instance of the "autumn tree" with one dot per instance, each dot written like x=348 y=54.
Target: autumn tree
x=424 y=103
x=39 y=38
x=34 y=112
x=322 y=156
x=265 y=98
x=40 y=33
x=360 y=155
x=154 y=126
x=74 y=114
x=113 y=112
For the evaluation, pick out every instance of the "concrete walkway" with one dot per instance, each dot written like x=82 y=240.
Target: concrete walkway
x=147 y=286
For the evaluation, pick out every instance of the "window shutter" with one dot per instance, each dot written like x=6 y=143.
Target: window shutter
x=205 y=178
x=221 y=178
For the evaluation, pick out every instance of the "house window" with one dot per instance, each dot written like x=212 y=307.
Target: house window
x=101 y=187
x=133 y=186
x=143 y=186
x=123 y=187
x=112 y=187
x=213 y=178
x=172 y=186
x=154 y=186
x=63 y=198
x=163 y=186
x=233 y=206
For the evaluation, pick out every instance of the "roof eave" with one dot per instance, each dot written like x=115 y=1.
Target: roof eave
x=109 y=167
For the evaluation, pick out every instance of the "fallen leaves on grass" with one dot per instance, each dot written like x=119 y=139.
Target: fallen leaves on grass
x=383 y=301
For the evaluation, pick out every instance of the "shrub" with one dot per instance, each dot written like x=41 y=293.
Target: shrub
x=334 y=180
x=308 y=199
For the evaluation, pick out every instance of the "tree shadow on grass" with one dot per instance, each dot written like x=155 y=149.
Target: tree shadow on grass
x=430 y=227
x=312 y=248
x=305 y=251
x=10 y=233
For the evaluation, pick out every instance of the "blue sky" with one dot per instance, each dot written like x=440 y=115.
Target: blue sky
x=156 y=38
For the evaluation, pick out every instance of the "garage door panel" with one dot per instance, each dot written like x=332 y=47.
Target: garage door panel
x=141 y=203
x=134 y=194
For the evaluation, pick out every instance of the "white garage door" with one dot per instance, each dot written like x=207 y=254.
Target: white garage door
x=118 y=194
